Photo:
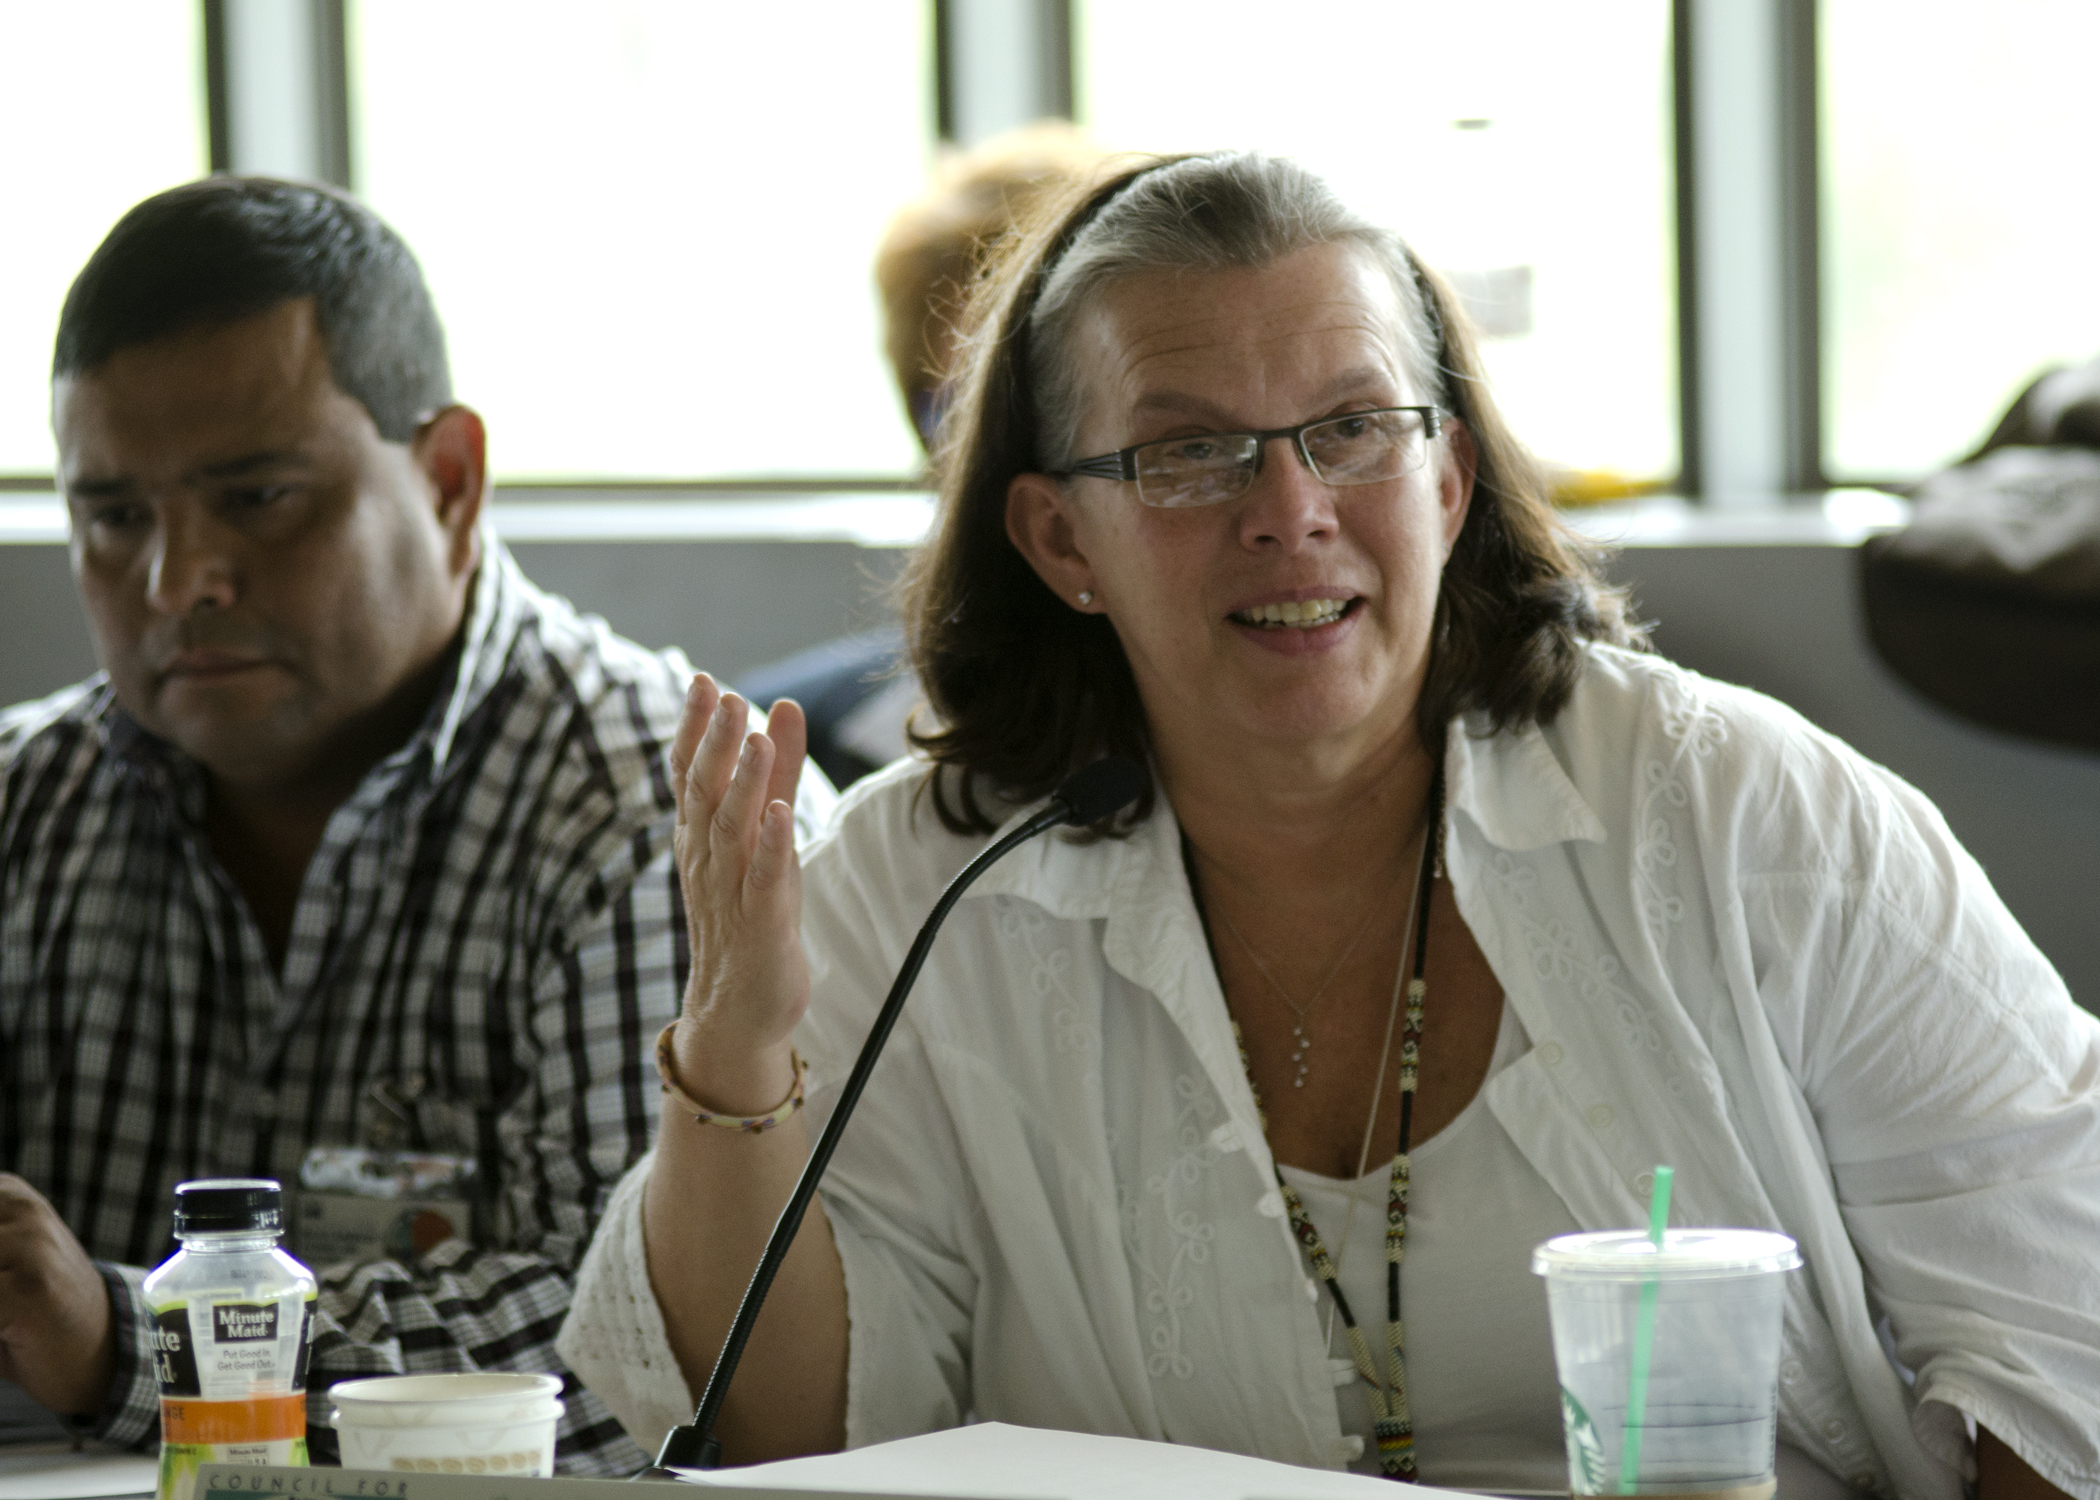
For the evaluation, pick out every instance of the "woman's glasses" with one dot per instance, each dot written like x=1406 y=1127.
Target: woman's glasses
x=1362 y=447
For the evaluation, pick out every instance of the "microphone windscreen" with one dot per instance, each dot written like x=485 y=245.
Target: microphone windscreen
x=1100 y=790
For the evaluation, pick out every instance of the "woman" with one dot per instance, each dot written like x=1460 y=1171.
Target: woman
x=1225 y=492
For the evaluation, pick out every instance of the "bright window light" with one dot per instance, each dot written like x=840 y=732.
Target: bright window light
x=1524 y=144
x=1959 y=220
x=650 y=225
x=104 y=105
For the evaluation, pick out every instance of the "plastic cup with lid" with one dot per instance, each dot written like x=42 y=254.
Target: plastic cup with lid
x=495 y=1424
x=1708 y=1424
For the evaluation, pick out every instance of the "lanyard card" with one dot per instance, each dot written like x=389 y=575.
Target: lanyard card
x=359 y=1204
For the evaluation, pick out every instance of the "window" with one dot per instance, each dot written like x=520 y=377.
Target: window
x=650 y=225
x=104 y=104
x=1523 y=144
x=1959 y=220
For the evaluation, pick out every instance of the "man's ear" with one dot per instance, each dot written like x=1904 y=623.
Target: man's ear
x=451 y=449
x=1039 y=523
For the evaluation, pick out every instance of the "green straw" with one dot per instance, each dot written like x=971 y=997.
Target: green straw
x=1643 y=1342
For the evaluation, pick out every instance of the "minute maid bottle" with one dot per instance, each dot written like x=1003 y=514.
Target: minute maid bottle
x=233 y=1321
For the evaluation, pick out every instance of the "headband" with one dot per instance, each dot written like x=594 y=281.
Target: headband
x=1091 y=210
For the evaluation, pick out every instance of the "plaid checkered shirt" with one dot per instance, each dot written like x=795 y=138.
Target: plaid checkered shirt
x=485 y=946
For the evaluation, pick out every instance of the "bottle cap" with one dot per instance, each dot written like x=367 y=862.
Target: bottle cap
x=229 y=1203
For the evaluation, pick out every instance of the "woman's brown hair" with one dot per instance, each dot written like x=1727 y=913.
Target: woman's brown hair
x=1027 y=689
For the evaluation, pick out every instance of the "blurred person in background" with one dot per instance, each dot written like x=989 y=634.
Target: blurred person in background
x=857 y=690
x=937 y=248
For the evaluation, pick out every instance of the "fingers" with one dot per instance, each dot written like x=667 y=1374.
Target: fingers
x=727 y=798
x=705 y=703
x=700 y=700
x=55 y=1333
x=734 y=830
x=739 y=876
x=788 y=729
x=714 y=760
x=776 y=874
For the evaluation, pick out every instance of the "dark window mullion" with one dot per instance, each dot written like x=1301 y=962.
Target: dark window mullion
x=943 y=71
x=332 y=91
x=1685 y=155
x=1800 y=163
x=218 y=122
x=1054 y=31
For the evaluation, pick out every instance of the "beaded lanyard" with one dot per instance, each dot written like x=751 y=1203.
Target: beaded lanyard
x=1391 y=1423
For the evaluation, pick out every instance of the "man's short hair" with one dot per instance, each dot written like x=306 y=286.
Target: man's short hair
x=225 y=248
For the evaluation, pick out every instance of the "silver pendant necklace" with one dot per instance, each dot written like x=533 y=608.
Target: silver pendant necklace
x=1301 y=1040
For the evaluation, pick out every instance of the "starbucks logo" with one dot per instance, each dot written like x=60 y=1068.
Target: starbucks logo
x=1585 y=1448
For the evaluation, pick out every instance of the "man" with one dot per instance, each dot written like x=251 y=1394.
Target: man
x=360 y=842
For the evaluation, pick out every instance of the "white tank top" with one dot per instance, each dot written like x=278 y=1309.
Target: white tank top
x=1481 y=1383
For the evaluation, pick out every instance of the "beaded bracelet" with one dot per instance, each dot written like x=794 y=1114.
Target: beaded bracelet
x=748 y=1124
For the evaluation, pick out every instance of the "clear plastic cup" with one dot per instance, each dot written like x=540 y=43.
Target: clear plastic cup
x=1707 y=1383
x=449 y=1424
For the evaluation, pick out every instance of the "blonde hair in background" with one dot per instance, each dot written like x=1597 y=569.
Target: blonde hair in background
x=934 y=252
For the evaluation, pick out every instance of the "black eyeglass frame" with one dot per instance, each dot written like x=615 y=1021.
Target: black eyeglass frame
x=1122 y=464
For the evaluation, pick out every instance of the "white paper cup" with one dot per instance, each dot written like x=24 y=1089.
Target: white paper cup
x=449 y=1424
x=1713 y=1298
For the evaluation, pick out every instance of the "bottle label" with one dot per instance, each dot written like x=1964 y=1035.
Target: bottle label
x=231 y=1351
x=175 y=1359
x=232 y=1383
x=243 y=1322
x=267 y=1430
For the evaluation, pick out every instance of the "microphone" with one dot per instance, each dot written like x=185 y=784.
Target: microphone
x=1091 y=793
x=1097 y=791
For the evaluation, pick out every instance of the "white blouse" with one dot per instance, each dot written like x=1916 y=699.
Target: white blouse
x=1734 y=945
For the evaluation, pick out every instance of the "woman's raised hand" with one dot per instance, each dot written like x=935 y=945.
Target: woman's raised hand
x=735 y=847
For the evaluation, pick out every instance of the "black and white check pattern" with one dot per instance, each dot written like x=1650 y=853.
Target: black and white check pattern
x=485 y=946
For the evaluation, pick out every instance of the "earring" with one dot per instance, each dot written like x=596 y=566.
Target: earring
x=1086 y=597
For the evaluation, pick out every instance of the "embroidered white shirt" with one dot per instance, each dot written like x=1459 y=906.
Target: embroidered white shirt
x=1736 y=947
